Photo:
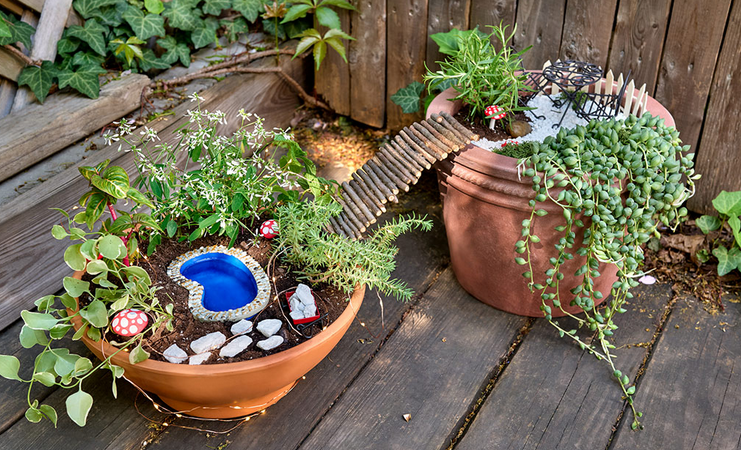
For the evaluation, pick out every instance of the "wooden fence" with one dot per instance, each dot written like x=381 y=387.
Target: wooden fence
x=687 y=52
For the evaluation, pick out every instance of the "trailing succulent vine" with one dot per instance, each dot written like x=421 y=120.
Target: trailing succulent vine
x=617 y=180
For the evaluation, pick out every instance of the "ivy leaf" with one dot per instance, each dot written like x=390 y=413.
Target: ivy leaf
x=78 y=407
x=17 y=31
x=111 y=15
x=144 y=25
x=92 y=33
x=87 y=59
x=214 y=7
x=86 y=8
x=203 y=35
x=248 y=8
x=328 y=18
x=735 y=225
x=38 y=79
x=65 y=46
x=175 y=51
x=706 y=223
x=130 y=48
x=408 y=97
x=269 y=27
x=727 y=261
x=150 y=61
x=84 y=80
x=154 y=6
x=182 y=15
x=728 y=203
x=4 y=29
x=234 y=27
x=296 y=12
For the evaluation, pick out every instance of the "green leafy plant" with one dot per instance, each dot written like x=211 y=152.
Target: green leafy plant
x=728 y=205
x=312 y=38
x=481 y=74
x=113 y=284
x=324 y=257
x=616 y=180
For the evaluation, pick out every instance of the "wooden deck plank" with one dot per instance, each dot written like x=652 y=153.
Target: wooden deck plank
x=433 y=368
x=38 y=131
x=552 y=393
x=691 y=393
x=25 y=239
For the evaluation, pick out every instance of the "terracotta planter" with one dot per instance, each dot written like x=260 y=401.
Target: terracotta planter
x=484 y=204
x=233 y=389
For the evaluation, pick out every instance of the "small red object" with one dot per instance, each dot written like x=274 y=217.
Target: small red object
x=510 y=143
x=495 y=112
x=129 y=322
x=305 y=319
x=269 y=229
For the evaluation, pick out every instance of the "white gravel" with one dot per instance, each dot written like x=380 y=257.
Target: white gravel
x=542 y=128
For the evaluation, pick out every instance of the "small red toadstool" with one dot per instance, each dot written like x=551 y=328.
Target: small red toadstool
x=269 y=229
x=129 y=322
x=495 y=112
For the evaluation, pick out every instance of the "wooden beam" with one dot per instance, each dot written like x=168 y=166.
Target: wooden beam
x=38 y=131
x=30 y=259
x=367 y=60
x=718 y=157
x=49 y=31
x=10 y=65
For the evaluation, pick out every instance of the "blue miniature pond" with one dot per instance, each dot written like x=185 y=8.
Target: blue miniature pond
x=227 y=282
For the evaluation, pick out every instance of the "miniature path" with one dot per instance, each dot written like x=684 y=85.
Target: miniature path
x=471 y=377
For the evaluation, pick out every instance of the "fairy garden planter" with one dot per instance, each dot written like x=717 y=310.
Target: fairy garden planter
x=553 y=224
x=188 y=302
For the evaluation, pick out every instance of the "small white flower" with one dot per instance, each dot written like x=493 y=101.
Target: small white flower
x=194 y=97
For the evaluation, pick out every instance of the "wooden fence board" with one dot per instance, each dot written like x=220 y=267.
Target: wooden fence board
x=554 y=396
x=688 y=63
x=443 y=16
x=692 y=388
x=333 y=78
x=433 y=368
x=405 y=55
x=30 y=259
x=10 y=65
x=367 y=61
x=638 y=39
x=539 y=23
x=38 y=131
x=719 y=157
x=487 y=12
x=586 y=31
x=422 y=257
x=7 y=93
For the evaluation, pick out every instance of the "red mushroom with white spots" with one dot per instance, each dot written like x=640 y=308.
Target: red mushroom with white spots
x=495 y=113
x=269 y=229
x=129 y=322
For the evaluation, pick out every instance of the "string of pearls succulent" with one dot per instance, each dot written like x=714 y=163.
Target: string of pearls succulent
x=616 y=179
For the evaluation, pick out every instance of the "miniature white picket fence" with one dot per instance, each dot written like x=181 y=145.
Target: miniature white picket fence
x=632 y=104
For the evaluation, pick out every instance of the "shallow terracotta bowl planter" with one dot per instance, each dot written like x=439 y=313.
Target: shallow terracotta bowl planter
x=485 y=201
x=231 y=389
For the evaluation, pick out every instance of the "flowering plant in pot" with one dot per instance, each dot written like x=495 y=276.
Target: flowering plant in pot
x=121 y=265
x=574 y=208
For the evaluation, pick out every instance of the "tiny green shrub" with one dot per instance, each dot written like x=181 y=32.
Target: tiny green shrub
x=728 y=205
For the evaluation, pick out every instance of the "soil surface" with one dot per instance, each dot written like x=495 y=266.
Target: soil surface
x=331 y=302
x=480 y=126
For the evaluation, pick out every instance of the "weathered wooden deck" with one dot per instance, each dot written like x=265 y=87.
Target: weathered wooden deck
x=471 y=377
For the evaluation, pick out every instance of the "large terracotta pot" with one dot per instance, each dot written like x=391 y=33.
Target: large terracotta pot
x=232 y=389
x=484 y=204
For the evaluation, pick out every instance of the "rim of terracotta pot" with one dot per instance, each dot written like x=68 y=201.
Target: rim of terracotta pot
x=210 y=370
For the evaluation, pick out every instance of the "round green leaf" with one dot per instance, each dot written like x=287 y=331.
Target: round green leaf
x=95 y=313
x=75 y=287
x=30 y=337
x=50 y=413
x=111 y=247
x=33 y=415
x=96 y=267
x=45 y=378
x=38 y=321
x=74 y=258
x=58 y=232
x=78 y=407
x=9 y=366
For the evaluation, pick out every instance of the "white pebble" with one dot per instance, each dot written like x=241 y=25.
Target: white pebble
x=199 y=359
x=235 y=347
x=297 y=315
x=208 y=342
x=175 y=354
x=303 y=292
x=241 y=327
x=269 y=327
x=270 y=343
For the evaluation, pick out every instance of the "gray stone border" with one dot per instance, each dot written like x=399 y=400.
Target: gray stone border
x=195 y=299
